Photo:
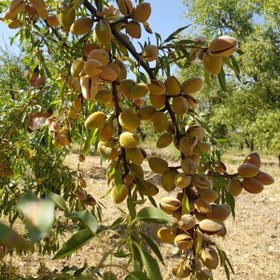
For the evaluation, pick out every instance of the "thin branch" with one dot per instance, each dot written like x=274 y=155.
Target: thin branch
x=134 y=53
x=119 y=20
x=117 y=112
x=89 y=6
x=11 y=126
x=55 y=32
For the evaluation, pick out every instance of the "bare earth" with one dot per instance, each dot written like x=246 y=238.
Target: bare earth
x=252 y=242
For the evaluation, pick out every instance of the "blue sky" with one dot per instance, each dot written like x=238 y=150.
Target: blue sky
x=167 y=16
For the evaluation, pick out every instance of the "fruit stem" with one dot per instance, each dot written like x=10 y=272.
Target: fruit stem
x=117 y=112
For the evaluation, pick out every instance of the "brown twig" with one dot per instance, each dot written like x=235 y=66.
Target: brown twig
x=119 y=20
x=56 y=34
x=89 y=6
x=118 y=110
x=134 y=53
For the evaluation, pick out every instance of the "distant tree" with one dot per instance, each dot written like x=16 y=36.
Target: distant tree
x=244 y=106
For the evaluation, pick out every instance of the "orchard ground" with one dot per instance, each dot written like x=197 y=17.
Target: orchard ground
x=252 y=242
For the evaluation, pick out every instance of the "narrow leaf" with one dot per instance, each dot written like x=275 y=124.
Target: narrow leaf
x=152 y=215
x=222 y=80
x=131 y=207
x=89 y=141
x=185 y=205
x=151 y=265
x=74 y=243
x=117 y=222
x=58 y=200
x=235 y=64
x=175 y=33
x=198 y=243
x=153 y=202
x=86 y=218
x=153 y=246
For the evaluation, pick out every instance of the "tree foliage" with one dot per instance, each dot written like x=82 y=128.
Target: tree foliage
x=244 y=106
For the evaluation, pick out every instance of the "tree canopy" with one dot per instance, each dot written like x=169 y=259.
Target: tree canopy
x=256 y=96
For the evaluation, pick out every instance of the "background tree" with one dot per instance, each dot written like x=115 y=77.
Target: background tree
x=241 y=109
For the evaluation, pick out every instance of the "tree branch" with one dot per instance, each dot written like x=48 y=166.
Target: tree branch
x=117 y=112
x=134 y=53
x=89 y=6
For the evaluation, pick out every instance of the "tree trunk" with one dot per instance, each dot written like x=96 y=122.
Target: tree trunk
x=250 y=144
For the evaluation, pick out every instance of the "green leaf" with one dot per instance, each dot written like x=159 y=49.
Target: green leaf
x=90 y=139
x=235 y=64
x=58 y=200
x=231 y=202
x=122 y=255
x=175 y=33
x=222 y=80
x=86 y=218
x=150 y=264
x=136 y=254
x=74 y=243
x=185 y=205
x=152 y=215
x=153 y=202
x=79 y=271
x=240 y=52
x=225 y=262
x=117 y=222
x=137 y=275
x=154 y=247
x=158 y=38
x=38 y=214
x=207 y=77
x=11 y=239
x=131 y=207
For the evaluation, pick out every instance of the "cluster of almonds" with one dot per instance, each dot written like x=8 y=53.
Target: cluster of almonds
x=94 y=72
x=213 y=54
x=33 y=9
x=80 y=191
x=111 y=145
x=66 y=18
x=59 y=133
x=253 y=179
x=202 y=217
x=195 y=215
